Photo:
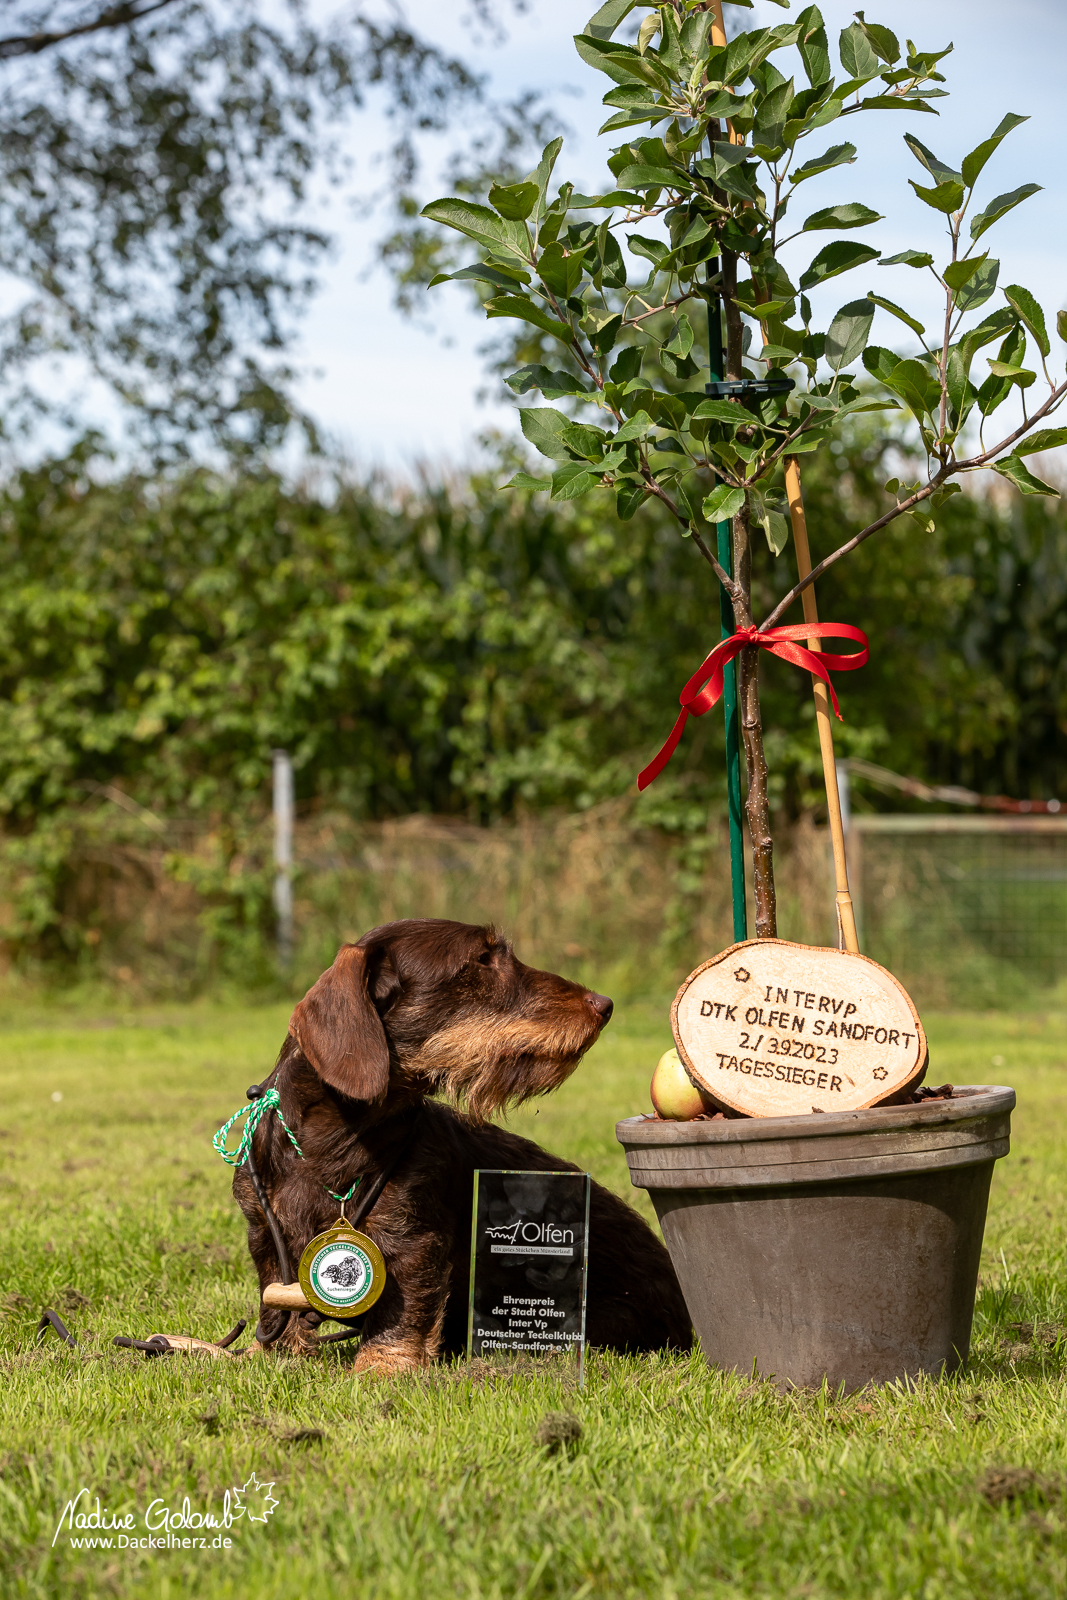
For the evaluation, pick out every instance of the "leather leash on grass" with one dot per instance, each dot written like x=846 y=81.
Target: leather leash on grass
x=169 y=1344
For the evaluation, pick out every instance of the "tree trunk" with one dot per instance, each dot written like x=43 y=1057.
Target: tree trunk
x=756 y=805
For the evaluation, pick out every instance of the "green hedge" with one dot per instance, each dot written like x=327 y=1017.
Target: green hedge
x=454 y=650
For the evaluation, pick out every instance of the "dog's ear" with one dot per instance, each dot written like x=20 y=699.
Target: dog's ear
x=339 y=1031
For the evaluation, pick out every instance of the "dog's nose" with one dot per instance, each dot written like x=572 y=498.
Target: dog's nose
x=601 y=1005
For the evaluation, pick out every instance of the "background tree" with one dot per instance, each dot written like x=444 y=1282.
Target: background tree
x=158 y=159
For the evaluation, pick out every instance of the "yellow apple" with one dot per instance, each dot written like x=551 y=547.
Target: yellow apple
x=674 y=1095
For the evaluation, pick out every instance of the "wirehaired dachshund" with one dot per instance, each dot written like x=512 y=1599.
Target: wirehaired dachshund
x=415 y=1010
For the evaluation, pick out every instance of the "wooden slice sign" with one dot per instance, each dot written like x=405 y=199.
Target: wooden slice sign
x=773 y=1029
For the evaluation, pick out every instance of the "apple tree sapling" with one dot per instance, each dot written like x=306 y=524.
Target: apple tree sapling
x=707 y=194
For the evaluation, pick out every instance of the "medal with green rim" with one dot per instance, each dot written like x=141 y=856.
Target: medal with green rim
x=342 y=1271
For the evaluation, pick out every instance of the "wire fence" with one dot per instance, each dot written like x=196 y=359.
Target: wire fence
x=965 y=910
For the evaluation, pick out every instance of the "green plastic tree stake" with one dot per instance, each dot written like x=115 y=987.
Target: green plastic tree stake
x=729 y=696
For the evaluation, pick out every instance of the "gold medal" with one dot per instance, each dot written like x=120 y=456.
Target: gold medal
x=342 y=1272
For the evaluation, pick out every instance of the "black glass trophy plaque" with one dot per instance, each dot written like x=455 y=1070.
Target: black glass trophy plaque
x=529 y=1260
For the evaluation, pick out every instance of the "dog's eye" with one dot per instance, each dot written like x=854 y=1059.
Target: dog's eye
x=487 y=958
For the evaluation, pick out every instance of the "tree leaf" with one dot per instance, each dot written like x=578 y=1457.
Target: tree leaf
x=620 y=62
x=973 y=164
x=883 y=41
x=602 y=329
x=627 y=364
x=1023 y=303
x=946 y=197
x=553 y=385
x=652 y=113
x=513 y=305
x=848 y=216
x=648 y=30
x=961 y=392
x=908 y=258
x=571 y=481
x=847 y=335
x=813 y=46
x=937 y=169
x=681 y=341
x=636 y=428
x=603 y=202
x=776 y=531
x=880 y=362
x=523 y=480
x=724 y=411
x=840 y=256
x=643 y=176
x=857 y=56
x=981 y=286
x=998 y=386
x=1043 y=439
x=723 y=503
x=1020 y=375
x=891 y=102
x=1000 y=207
x=652 y=249
x=897 y=311
x=991 y=327
x=585 y=440
x=957 y=273
x=514 y=201
x=838 y=155
x=477 y=222
x=1061 y=325
x=628 y=497
x=602 y=23
x=812 y=439
x=543 y=174
x=561 y=270
x=543 y=426
x=1014 y=470
x=920 y=392
x=482 y=274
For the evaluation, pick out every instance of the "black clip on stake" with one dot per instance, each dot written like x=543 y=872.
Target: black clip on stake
x=749 y=388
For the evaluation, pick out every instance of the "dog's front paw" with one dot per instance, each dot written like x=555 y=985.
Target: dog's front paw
x=385 y=1360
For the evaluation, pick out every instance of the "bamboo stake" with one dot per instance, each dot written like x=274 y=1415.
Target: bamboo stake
x=848 y=938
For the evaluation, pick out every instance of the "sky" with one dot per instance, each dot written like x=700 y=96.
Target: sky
x=393 y=395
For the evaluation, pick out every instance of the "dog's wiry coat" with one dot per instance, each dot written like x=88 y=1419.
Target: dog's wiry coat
x=413 y=1010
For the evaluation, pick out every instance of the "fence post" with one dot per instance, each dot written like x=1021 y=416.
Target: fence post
x=283 y=854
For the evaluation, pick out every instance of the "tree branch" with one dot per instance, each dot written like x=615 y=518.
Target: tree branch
x=949 y=470
x=816 y=572
x=31 y=44
x=994 y=450
x=658 y=491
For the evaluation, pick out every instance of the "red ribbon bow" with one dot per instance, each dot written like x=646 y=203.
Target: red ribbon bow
x=695 y=698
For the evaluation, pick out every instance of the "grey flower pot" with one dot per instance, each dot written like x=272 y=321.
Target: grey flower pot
x=843 y=1246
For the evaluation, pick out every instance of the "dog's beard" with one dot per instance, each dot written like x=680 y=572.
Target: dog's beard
x=487 y=1065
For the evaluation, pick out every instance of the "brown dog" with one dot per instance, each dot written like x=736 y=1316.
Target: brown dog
x=413 y=1010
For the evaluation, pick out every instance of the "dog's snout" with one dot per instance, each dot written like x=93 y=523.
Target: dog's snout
x=601 y=1005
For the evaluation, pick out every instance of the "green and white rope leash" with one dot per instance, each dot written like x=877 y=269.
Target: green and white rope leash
x=264 y=1103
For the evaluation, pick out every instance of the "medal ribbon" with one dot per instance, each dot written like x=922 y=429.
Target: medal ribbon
x=266 y=1102
x=705 y=687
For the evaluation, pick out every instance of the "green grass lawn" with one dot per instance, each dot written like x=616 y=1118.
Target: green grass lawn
x=685 y=1482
